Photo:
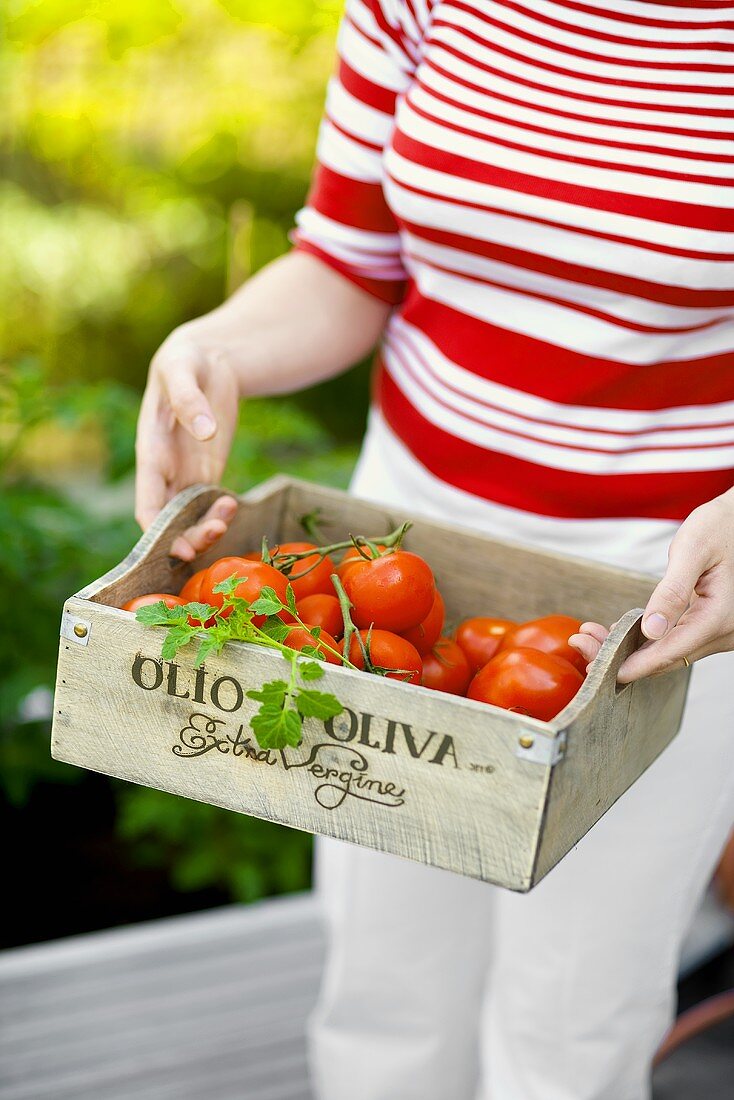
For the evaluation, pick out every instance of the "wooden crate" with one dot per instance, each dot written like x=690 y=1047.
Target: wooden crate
x=443 y=780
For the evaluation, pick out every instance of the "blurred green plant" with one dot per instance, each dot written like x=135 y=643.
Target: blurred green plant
x=204 y=846
x=151 y=156
x=130 y=133
x=48 y=543
x=54 y=539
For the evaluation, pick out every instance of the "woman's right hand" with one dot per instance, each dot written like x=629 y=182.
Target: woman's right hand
x=187 y=420
x=295 y=323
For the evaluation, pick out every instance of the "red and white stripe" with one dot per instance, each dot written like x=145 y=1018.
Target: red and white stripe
x=545 y=192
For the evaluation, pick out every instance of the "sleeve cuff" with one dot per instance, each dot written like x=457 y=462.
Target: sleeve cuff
x=391 y=291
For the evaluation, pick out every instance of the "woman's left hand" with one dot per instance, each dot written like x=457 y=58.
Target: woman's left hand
x=691 y=612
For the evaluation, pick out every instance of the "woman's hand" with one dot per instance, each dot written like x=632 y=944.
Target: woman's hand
x=293 y=324
x=187 y=420
x=691 y=612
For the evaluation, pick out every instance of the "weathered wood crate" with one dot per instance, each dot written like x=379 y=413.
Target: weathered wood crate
x=443 y=780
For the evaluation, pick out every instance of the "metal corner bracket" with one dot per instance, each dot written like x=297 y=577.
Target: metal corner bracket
x=75 y=629
x=537 y=749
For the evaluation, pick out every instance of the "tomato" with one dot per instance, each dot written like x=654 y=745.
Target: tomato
x=480 y=638
x=309 y=575
x=322 y=610
x=395 y=592
x=353 y=555
x=527 y=680
x=298 y=638
x=426 y=634
x=153 y=597
x=549 y=634
x=191 y=591
x=447 y=668
x=256 y=575
x=388 y=650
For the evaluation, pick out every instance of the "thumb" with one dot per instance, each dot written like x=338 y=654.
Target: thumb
x=674 y=593
x=180 y=364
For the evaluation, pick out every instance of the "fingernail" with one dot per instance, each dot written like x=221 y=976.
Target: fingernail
x=655 y=626
x=203 y=426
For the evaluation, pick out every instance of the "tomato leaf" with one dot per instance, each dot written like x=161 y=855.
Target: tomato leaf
x=267 y=603
x=200 y=611
x=276 y=727
x=176 y=637
x=229 y=584
x=210 y=643
x=317 y=704
x=158 y=614
x=237 y=604
x=273 y=692
x=309 y=670
x=275 y=628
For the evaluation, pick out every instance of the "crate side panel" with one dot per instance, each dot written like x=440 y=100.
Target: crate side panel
x=608 y=748
x=432 y=779
x=477 y=574
x=257 y=515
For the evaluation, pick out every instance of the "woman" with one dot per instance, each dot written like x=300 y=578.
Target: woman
x=528 y=204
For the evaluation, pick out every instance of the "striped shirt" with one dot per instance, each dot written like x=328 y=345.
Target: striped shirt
x=544 y=191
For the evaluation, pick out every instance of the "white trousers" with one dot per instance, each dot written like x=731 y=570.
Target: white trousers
x=438 y=987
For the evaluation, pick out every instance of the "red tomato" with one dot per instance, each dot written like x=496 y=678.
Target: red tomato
x=191 y=591
x=426 y=634
x=353 y=555
x=256 y=575
x=322 y=610
x=308 y=575
x=480 y=638
x=153 y=597
x=549 y=634
x=395 y=592
x=447 y=668
x=388 y=651
x=527 y=680
x=298 y=638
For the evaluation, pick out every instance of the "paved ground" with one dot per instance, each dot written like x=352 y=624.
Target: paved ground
x=703 y=1069
x=211 y=1007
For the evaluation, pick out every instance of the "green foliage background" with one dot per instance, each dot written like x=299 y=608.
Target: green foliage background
x=152 y=153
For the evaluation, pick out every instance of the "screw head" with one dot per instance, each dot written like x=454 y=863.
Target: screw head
x=526 y=741
x=80 y=630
